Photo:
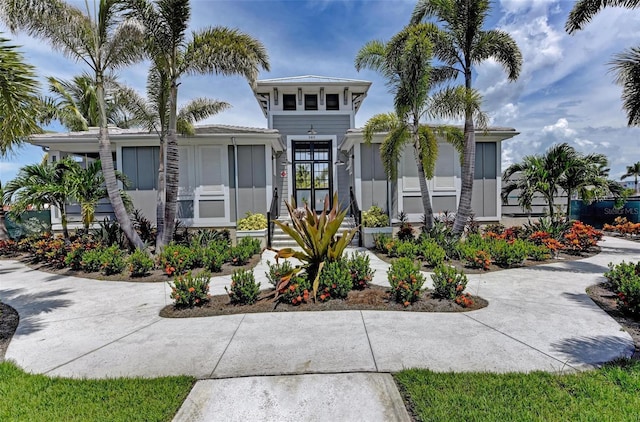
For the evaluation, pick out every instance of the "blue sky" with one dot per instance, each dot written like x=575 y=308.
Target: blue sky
x=565 y=92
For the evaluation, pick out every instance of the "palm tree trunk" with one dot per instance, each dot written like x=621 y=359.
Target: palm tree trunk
x=4 y=235
x=64 y=221
x=108 y=170
x=468 y=171
x=568 y=205
x=172 y=168
x=552 y=212
x=160 y=204
x=422 y=179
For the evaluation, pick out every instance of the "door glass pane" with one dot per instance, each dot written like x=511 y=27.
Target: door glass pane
x=321 y=175
x=303 y=176
x=320 y=195
x=302 y=152
x=302 y=197
x=321 y=152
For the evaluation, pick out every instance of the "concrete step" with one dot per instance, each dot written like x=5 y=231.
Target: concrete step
x=282 y=240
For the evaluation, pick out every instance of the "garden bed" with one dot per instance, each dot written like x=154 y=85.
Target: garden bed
x=374 y=298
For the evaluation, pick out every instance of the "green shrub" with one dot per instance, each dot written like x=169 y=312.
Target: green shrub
x=241 y=254
x=625 y=282
x=296 y=292
x=50 y=250
x=277 y=270
x=76 y=250
x=477 y=258
x=244 y=289
x=205 y=237
x=359 y=267
x=214 y=255
x=380 y=242
x=178 y=259
x=92 y=260
x=335 y=281
x=252 y=221
x=432 y=253
x=375 y=217
x=406 y=249
x=189 y=290
x=448 y=282
x=8 y=248
x=539 y=252
x=112 y=260
x=252 y=244
x=509 y=254
x=140 y=263
x=406 y=281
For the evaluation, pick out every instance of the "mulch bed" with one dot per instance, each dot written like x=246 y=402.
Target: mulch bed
x=9 y=319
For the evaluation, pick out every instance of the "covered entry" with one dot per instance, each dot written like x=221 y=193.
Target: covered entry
x=312 y=173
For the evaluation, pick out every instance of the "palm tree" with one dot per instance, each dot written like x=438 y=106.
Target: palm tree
x=216 y=50
x=4 y=235
x=405 y=61
x=103 y=40
x=633 y=170
x=18 y=98
x=625 y=64
x=460 y=44
x=40 y=185
x=87 y=187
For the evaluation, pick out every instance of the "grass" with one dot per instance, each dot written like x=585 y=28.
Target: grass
x=27 y=397
x=611 y=393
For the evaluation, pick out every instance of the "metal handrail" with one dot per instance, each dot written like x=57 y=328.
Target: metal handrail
x=272 y=215
x=355 y=211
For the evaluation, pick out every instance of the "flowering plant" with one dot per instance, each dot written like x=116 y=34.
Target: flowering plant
x=190 y=290
x=406 y=281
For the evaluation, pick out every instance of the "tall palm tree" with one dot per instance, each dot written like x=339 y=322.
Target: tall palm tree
x=216 y=50
x=633 y=170
x=405 y=61
x=87 y=188
x=18 y=98
x=625 y=64
x=101 y=39
x=460 y=44
x=40 y=185
x=152 y=113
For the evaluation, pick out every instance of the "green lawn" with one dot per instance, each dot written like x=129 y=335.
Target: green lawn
x=611 y=393
x=26 y=397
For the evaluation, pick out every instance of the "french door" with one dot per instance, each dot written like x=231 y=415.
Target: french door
x=312 y=173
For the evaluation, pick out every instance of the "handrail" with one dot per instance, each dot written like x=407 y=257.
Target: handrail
x=355 y=211
x=272 y=215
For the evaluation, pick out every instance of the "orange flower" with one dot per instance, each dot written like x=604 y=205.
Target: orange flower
x=406 y=303
x=192 y=289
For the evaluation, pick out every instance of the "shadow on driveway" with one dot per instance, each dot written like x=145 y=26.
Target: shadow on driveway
x=31 y=305
x=594 y=350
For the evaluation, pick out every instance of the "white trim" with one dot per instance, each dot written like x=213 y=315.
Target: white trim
x=357 y=181
x=268 y=153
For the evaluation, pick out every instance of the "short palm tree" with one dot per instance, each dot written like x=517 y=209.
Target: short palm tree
x=18 y=98
x=41 y=185
x=405 y=61
x=101 y=39
x=625 y=64
x=460 y=44
x=633 y=170
x=216 y=50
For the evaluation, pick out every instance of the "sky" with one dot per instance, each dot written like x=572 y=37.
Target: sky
x=565 y=92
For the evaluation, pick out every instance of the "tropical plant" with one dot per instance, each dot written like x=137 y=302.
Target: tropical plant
x=633 y=171
x=100 y=38
x=375 y=217
x=216 y=50
x=190 y=290
x=448 y=282
x=316 y=234
x=405 y=61
x=252 y=221
x=406 y=281
x=18 y=97
x=140 y=263
x=335 y=281
x=244 y=289
x=40 y=185
x=460 y=44
x=4 y=235
x=625 y=64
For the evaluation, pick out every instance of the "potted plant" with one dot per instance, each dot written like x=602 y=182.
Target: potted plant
x=374 y=221
x=252 y=225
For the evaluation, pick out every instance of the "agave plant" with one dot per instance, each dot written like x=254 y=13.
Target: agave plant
x=316 y=234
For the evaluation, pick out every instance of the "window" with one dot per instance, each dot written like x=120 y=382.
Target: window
x=140 y=165
x=486 y=165
x=333 y=102
x=310 y=102
x=289 y=102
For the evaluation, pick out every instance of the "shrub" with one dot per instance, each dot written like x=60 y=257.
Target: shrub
x=244 y=289
x=178 y=259
x=448 y=282
x=405 y=249
x=539 y=252
x=507 y=254
x=205 y=237
x=479 y=259
x=109 y=233
x=50 y=250
x=241 y=253
x=8 y=247
x=335 y=281
x=146 y=230
x=380 y=241
x=406 y=281
x=214 y=255
x=76 y=252
x=375 y=217
x=432 y=253
x=189 y=290
x=581 y=237
x=91 y=260
x=252 y=221
x=140 y=263
x=359 y=267
x=625 y=282
x=112 y=260
x=277 y=271
x=252 y=244
x=464 y=300
x=296 y=291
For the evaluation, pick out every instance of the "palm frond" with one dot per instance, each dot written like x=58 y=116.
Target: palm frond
x=500 y=46
x=584 y=10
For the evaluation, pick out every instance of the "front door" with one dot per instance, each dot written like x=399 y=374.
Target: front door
x=312 y=175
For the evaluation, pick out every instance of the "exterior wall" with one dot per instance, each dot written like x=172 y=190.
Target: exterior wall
x=485 y=184
x=374 y=184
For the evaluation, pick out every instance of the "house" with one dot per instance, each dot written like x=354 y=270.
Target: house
x=309 y=149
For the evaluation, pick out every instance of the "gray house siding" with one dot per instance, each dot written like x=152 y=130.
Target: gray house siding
x=484 y=199
x=373 y=178
x=252 y=184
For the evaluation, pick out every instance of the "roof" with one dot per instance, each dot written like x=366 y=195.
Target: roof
x=312 y=79
x=477 y=130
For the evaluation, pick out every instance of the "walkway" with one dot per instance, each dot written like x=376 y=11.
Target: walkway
x=538 y=318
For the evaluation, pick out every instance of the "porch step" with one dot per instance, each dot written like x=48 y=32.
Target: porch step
x=282 y=240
